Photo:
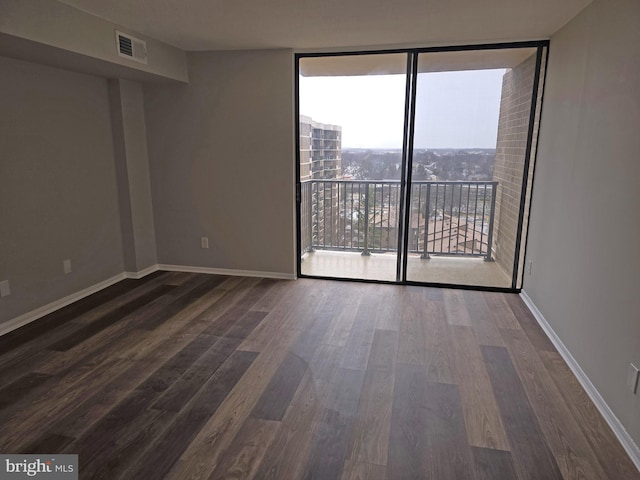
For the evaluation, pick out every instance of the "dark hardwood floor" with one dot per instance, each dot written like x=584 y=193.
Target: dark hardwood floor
x=186 y=376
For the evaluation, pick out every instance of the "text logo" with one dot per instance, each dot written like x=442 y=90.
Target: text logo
x=50 y=467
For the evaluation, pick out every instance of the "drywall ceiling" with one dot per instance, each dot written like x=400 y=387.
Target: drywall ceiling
x=327 y=24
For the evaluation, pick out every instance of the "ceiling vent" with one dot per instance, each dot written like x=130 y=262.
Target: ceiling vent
x=131 y=47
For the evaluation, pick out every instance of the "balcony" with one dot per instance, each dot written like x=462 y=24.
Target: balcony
x=350 y=229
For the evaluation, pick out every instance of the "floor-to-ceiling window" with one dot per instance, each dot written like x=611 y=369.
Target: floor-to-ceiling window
x=416 y=166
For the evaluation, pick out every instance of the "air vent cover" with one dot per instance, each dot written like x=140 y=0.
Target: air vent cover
x=131 y=47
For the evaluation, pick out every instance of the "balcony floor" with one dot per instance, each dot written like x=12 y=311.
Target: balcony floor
x=450 y=270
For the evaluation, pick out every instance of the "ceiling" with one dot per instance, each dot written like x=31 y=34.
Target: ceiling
x=328 y=24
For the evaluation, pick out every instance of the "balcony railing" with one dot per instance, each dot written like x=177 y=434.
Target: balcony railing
x=446 y=218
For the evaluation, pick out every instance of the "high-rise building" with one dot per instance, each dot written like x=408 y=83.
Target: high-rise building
x=320 y=159
x=320 y=150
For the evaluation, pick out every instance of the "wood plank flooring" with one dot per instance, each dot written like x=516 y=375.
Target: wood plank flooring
x=187 y=376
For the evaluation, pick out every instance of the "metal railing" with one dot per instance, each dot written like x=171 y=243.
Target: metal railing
x=446 y=218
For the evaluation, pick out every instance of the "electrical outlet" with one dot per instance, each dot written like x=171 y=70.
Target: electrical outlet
x=632 y=379
x=66 y=265
x=5 y=290
x=204 y=242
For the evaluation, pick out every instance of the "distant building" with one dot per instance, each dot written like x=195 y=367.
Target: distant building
x=321 y=159
x=320 y=150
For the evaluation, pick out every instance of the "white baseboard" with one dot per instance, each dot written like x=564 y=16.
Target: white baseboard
x=227 y=271
x=618 y=429
x=142 y=273
x=29 y=317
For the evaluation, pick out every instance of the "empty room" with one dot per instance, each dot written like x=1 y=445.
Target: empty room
x=291 y=240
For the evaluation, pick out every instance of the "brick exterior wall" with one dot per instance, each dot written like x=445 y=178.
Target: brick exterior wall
x=515 y=107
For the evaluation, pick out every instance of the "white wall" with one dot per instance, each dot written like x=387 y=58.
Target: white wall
x=58 y=193
x=221 y=154
x=585 y=224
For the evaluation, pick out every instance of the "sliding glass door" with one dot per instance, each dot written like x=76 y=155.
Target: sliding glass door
x=416 y=166
x=351 y=123
x=469 y=143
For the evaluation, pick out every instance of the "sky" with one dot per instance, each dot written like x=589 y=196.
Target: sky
x=453 y=109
